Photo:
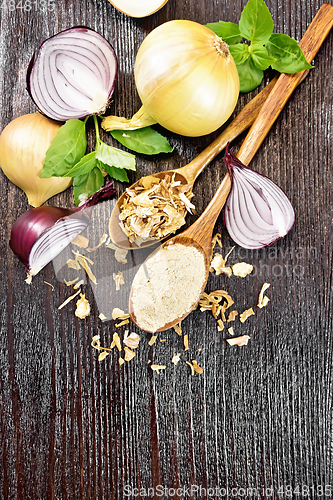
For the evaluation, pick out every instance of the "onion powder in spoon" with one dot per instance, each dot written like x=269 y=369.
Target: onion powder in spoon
x=167 y=285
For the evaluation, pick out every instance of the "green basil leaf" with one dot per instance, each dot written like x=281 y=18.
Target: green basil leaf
x=256 y=24
x=229 y=32
x=119 y=174
x=84 y=166
x=240 y=52
x=249 y=76
x=260 y=56
x=66 y=149
x=289 y=57
x=87 y=184
x=114 y=157
x=143 y=140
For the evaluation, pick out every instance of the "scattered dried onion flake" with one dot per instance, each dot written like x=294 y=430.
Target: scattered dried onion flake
x=69 y=299
x=101 y=241
x=73 y=264
x=242 y=269
x=246 y=314
x=175 y=359
x=263 y=299
x=217 y=264
x=80 y=241
x=103 y=355
x=116 y=342
x=240 y=341
x=82 y=307
x=122 y=323
x=152 y=340
x=129 y=354
x=196 y=367
x=132 y=340
x=119 y=279
x=119 y=314
x=232 y=316
x=220 y=325
x=69 y=283
x=191 y=366
x=186 y=342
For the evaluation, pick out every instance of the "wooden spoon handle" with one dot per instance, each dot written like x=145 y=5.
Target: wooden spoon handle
x=286 y=84
x=239 y=124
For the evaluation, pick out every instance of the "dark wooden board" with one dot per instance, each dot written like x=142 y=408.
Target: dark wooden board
x=260 y=416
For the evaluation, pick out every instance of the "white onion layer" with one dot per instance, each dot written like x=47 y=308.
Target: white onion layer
x=53 y=241
x=257 y=211
x=73 y=74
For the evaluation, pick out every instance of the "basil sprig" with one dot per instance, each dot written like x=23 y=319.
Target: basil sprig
x=264 y=48
x=66 y=158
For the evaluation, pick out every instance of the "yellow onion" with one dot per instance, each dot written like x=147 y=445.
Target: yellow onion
x=23 y=146
x=138 y=8
x=186 y=78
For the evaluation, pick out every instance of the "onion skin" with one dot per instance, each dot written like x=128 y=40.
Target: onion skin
x=186 y=78
x=34 y=223
x=30 y=226
x=23 y=146
x=138 y=8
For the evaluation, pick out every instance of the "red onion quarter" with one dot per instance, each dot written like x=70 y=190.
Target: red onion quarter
x=73 y=74
x=41 y=233
x=257 y=211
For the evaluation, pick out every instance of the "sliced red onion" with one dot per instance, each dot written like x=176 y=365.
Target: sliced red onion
x=41 y=233
x=73 y=74
x=257 y=211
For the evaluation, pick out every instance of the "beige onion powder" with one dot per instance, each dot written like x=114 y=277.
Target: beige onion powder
x=167 y=285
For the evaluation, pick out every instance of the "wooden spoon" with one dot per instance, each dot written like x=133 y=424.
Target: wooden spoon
x=189 y=173
x=200 y=233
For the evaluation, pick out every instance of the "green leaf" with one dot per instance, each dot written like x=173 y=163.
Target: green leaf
x=143 y=140
x=249 y=76
x=87 y=184
x=289 y=57
x=119 y=174
x=114 y=157
x=260 y=56
x=229 y=32
x=84 y=166
x=240 y=52
x=66 y=149
x=256 y=24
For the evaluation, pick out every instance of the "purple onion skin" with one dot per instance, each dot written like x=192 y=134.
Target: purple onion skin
x=257 y=212
x=79 y=29
x=31 y=225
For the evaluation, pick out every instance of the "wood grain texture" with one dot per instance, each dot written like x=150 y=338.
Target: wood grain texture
x=259 y=417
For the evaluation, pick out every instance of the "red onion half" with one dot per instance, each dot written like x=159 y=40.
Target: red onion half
x=41 y=233
x=257 y=211
x=73 y=74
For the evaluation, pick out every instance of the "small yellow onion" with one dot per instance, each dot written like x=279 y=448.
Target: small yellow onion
x=186 y=78
x=138 y=8
x=23 y=145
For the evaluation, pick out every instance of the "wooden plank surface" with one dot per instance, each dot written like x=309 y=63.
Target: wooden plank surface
x=258 y=421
